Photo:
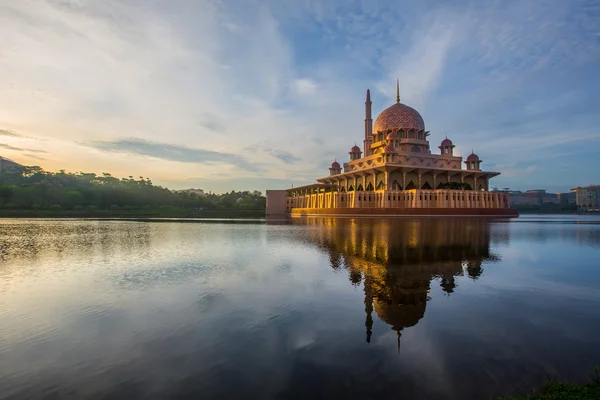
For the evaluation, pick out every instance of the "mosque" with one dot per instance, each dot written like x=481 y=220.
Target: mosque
x=396 y=173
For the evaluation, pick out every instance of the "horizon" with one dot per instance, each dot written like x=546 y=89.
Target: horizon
x=257 y=96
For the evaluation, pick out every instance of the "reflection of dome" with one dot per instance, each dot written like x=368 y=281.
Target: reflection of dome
x=399 y=116
x=335 y=165
x=473 y=157
x=446 y=142
x=400 y=316
x=355 y=149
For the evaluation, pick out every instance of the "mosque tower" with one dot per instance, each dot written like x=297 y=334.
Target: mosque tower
x=368 y=125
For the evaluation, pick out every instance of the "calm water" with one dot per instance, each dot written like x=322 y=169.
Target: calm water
x=324 y=308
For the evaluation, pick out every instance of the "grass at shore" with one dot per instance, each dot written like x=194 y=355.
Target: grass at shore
x=554 y=390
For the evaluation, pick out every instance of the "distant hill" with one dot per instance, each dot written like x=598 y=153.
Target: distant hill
x=9 y=166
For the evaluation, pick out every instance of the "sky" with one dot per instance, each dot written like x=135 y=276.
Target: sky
x=262 y=94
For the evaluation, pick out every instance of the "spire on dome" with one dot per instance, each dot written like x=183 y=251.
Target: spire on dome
x=397 y=90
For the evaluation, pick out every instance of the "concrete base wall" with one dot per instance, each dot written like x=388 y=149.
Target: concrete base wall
x=276 y=202
x=403 y=212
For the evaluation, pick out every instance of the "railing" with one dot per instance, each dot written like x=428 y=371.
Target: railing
x=440 y=198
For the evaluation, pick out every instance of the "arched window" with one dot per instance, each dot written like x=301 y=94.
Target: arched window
x=380 y=185
x=411 y=185
x=360 y=188
x=401 y=134
x=426 y=185
x=351 y=188
x=396 y=186
x=411 y=134
x=370 y=187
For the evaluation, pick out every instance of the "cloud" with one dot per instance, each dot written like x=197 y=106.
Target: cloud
x=14 y=148
x=305 y=87
x=6 y=132
x=212 y=123
x=172 y=152
x=281 y=155
x=34 y=157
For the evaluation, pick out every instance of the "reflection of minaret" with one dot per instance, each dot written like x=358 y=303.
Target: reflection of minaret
x=368 y=307
x=474 y=269
x=368 y=125
x=448 y=284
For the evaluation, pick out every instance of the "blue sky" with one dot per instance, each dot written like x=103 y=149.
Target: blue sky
x=247 y=94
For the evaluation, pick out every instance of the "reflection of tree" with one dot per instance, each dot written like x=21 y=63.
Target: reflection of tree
x=396 y=260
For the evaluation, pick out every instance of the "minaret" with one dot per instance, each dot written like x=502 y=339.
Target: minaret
x=397 y=91
x=368 y=126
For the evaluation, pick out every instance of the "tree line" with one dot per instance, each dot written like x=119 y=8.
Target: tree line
x=32 y=188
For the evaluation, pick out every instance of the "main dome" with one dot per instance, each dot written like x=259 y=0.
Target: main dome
x=399 y=116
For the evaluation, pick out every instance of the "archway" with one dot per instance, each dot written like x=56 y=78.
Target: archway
x=396 y=186
x=351 y=188
x=411 y=185
x=426 y=186
x=380 y=186
x=342 y=189
x=370 y=187
x=360 y=188
x=442 y=185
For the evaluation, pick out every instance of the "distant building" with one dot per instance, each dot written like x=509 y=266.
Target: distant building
x=517 y=197
x=9 y=166
x=533 y=197
x=567 y=198
x=588 y=198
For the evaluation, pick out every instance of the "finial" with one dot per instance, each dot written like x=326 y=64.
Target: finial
x=472 y=150
x=446 y=136
x=368 y=96
x=397 y=90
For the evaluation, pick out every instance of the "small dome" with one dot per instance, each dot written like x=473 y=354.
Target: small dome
x=389 y=149
x=355 y=149
x=392 y=136
x=335 y=165
x=446 y=142
x=473 y=157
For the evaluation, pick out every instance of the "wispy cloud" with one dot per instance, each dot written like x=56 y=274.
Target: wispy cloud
x=172 y=152
x=282 y=155
x=6 y=132
x=14 y=148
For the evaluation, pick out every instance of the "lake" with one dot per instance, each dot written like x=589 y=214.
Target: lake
x=456 y=308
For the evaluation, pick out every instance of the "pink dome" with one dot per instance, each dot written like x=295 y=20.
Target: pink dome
x=399 y=116
x=392 y=136
x=335 y=165
x=355 y=149
x=446 y=142
x=389 y=149
x=473 y=157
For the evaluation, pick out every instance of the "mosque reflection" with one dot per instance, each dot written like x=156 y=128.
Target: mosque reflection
x=396 y=260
